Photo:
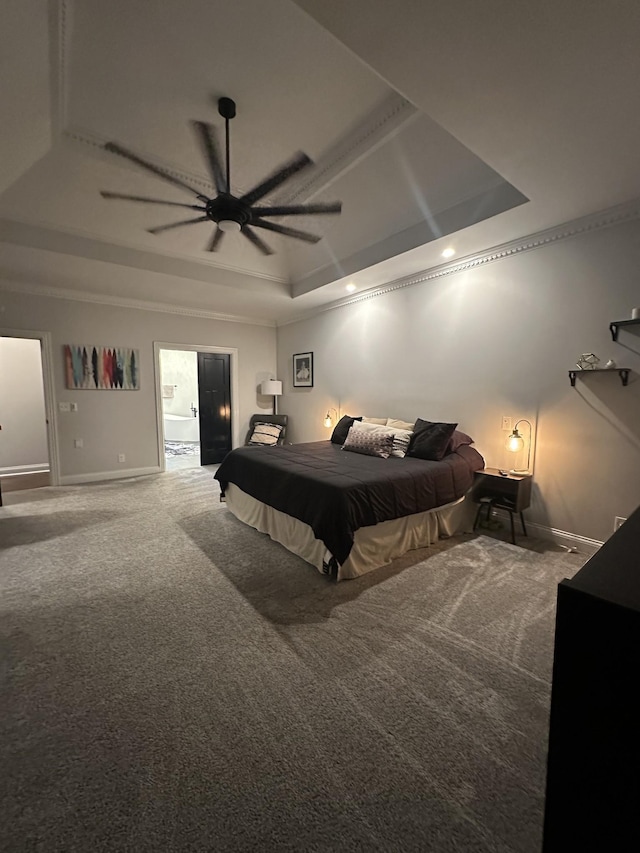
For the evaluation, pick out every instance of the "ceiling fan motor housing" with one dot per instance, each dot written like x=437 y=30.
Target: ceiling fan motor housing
x=225 y=206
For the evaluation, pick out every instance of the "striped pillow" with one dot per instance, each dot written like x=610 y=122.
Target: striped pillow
x=265 y=434
x=401 y=440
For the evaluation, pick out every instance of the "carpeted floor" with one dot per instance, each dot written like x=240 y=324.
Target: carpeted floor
x=174 y=681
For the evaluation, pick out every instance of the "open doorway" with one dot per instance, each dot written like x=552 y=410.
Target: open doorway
x=180 y=410
x=28 y=449
x=197 y=421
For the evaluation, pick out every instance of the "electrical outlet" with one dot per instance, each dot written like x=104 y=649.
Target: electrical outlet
x=64 y=407
x=78 y=443
x=618 y=521
x=121 y=457
x=506 y=423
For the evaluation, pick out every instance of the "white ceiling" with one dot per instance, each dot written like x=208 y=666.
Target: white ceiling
x=460 y=124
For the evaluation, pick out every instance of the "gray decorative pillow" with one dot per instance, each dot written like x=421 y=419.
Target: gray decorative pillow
x=265 y=435
x=369 y=442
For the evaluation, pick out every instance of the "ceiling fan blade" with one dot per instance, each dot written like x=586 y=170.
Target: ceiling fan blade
x=160 y=228
x=299 y=209
x=114 y=148
x=283 y=229
x=260 y=244
x=208 y=139
x=298 y=161
x=142 y=198
x=214 y=243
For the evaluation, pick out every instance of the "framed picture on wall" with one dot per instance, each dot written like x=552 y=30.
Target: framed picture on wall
x=303 y=370
x=101 y=368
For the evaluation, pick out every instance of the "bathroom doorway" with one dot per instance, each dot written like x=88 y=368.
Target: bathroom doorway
x=197 y=415
x=179 y=395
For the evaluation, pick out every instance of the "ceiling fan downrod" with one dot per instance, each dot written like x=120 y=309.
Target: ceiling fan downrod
x=227 y=109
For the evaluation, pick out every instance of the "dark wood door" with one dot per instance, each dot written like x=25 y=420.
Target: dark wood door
x=214 y=391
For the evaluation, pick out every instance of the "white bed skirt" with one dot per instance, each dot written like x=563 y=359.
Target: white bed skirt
x=374 y=546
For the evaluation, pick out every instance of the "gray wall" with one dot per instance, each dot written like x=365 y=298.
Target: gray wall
x=491 y=341
x=113 y=422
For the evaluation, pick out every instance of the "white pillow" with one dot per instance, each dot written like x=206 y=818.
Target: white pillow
x=369 y=425
x=392 y=422
x=265 y=435
x=379 y=421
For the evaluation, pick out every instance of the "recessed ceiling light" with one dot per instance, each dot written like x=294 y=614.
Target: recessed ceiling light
x=448 y=253
x=350 y=287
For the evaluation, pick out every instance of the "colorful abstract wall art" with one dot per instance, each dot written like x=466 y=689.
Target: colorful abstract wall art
x=102 y=368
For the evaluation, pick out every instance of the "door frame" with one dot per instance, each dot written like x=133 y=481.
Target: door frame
x=48 y=384
x=232 y=352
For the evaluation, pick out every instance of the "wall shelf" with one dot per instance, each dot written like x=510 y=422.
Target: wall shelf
x=616 y=324
x=623 y=373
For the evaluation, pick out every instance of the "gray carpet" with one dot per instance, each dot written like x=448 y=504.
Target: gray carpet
x=175 y=681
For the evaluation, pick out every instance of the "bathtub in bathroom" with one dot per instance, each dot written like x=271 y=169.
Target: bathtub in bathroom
x=181 y=428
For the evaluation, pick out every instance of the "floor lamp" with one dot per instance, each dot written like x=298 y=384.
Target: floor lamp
x=272 y=388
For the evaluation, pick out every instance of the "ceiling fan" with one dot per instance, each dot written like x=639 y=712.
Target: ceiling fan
x=229 y=212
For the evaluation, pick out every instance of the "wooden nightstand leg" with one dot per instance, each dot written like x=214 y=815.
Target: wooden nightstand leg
x=513 y=528
x=524 y=529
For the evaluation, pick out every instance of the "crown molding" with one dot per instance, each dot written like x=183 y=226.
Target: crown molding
x=10 y=286
x=96 y=143
x=383 y=122
x=618 y=215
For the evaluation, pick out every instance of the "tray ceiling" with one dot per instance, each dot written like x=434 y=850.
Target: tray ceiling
x=305 y=76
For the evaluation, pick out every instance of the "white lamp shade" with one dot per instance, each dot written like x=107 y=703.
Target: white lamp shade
x=271 y=388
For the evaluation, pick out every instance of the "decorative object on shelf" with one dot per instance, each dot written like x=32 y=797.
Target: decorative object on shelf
x=588 y=361
x=610 y=364
x=272 y=388
x=515 y=443
x=623 y=373
x=303 y=370
x=101 y=368
x=635 y=313
x=328 y=420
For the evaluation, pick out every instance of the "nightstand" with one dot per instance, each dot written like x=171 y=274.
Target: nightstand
x=513 y=493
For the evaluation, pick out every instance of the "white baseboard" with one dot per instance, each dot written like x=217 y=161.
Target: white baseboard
x=16 y=470
x=97 y=476
x=582 y=544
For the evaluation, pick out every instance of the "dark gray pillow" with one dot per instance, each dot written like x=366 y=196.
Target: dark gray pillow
x=341 y=429
x=430 y=439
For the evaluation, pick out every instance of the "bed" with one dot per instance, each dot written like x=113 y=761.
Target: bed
x=348 y=513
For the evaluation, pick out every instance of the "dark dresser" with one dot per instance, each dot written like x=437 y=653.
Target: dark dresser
x=593 y=770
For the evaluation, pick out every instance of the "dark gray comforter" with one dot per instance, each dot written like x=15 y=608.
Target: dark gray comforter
x=336 y=492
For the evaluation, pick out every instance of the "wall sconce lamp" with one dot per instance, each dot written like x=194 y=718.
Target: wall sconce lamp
x=328 y=420
x=515 y=443
x=272 y=388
